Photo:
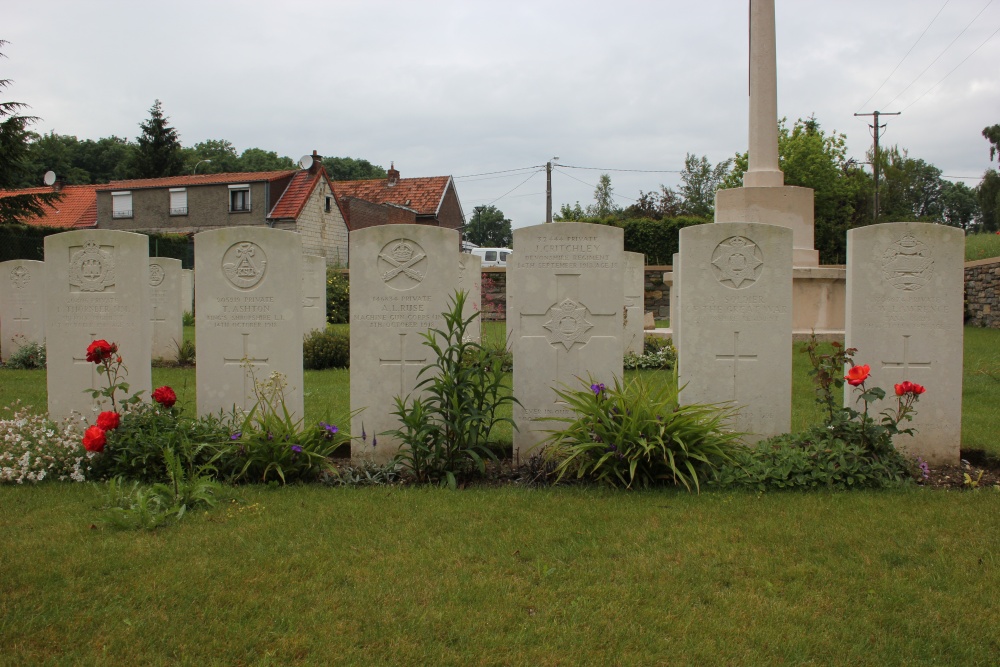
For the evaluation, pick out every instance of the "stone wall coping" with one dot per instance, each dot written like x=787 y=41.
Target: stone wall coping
x=982 y=262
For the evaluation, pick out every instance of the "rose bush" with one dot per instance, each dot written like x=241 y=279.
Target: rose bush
x=165 y=396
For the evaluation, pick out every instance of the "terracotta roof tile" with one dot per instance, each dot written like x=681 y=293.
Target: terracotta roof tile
x=423 y=194
x=197 y=179
x=294 y=197
x=77 y=208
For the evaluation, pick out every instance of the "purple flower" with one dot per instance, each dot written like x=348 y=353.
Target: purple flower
x=925 y=470
x=236 y=436
x=297 y=449
x=364 y=436
x=374 y=440
x=270 y=436
x=598 y=389
x=329 y=428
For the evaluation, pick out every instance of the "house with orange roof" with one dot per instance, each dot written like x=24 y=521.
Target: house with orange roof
x=300 y=200
x=430 y=200
x=75 y=209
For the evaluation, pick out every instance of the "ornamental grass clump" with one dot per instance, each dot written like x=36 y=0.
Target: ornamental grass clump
x=633 y=435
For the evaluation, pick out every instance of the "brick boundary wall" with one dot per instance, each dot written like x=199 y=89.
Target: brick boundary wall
x=982 y=293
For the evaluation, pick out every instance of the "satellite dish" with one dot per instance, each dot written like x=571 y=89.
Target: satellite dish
x=305 y=162
x=49 y=178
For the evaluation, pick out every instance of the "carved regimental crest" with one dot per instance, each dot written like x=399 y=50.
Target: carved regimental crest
x=737 y=262
x=402 y=264
x=244 y=264
x=92 y=268
x=19 y=276
x=155 y=275
x=907 y=264
x=568 y=324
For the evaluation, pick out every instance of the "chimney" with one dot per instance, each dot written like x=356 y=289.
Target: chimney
x=317 y=163
x=393 y=175
x=57 y=186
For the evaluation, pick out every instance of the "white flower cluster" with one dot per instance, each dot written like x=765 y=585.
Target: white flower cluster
x=32 y=448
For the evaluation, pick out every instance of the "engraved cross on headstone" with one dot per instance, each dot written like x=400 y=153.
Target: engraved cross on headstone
x=736 y=358
x=250 y=363
x=403 y=362
x=20 y=318
x=155 y=318
x=906 y=364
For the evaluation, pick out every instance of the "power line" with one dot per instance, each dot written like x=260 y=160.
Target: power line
x=592 y=185
x=642 y=171
x=502 y=171
x=530 y=176
x=940 y=54
x=865 y=103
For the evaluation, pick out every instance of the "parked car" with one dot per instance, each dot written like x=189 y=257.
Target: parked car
x=493 y=256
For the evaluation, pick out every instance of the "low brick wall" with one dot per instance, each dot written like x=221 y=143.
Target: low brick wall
x=982 y=293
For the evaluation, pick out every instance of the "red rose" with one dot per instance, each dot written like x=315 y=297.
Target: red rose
x=109 y=421
x=857 y=375
x=93 y=439
x=916 y=389
x=903 y=388
x=100 y=351
x=165 y=396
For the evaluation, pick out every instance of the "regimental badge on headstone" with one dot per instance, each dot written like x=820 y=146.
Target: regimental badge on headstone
x=244 y=264
x=907 y=264
x=19 y=276
x=568 y=324
x=92 y=268
x=156 y=275
x=402 y=264
x=738 y=262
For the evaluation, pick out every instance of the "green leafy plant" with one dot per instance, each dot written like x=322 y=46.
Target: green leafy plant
x=445 y=425
x=326 y=349
x=186 y=353
x=187 y=319
x=30 y=355
x=658 y=354
x=338 y=296
x=634 y=435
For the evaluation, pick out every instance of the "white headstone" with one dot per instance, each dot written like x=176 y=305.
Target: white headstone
x=402 y=279
x=313 y=293
x=470 y=279
x=98 y=288
x=187 y=290
x=248 y=316
x=675 y=304
x=166 y=311
x=569 y=282
x=905 y=283
x=22 y=304
x=736 y=321
x=635 y=293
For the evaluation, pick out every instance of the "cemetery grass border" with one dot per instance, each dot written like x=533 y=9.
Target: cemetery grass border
x=313 y=575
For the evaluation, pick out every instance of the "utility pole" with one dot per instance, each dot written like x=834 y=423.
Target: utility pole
x=875 y=160
x=548 y=190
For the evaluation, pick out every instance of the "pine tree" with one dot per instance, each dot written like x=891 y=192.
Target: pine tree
x=159 y=151
x=13 y=151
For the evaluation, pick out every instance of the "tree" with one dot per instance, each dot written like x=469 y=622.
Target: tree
x=959 y=205
x=159 y=151
x=569 y=213
x=13 y=154
x=988 y=194
x=699 y=181
x=219 y=156
x=351 y=169
x=604 y=203
x=656 y=205
x=489 y=228
x=992 y=134
x=258 y=159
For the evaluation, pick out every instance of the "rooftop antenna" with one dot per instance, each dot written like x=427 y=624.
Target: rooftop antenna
x=305 y=162
x=49 y=178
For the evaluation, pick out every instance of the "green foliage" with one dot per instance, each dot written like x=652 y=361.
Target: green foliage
x=326 y=349
x=338 y=296
x=30 y=354
x=988 y=195
x=445 y=427
x=158 y=153
x=982 y=246
x=658 y=354
x=658 y=240
x=33 y=448
x=77 y=162
x=604 y=202
x=352 y=169
x=699 y=181
x=489 y=228
x=187 y=319
x=992 y=135
x=635 y=435
x=186 y=353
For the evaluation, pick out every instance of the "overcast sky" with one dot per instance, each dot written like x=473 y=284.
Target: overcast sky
x=469 y=87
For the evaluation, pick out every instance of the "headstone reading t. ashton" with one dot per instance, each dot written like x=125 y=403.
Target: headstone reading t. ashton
x=98 y=288
x=568 y=279
x=736 y=318
x=22 y=304
x=248 y=316
x=402 y=278
x=166 y=295
x=905 y=284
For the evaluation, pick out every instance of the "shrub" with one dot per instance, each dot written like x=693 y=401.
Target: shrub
x=658 y=354
x=338 y=296
x=633 y=435
x=326 y=349
x=30 y=356
x=33 y=448
x=187 y=319
x=446 y=426
x=186 y=353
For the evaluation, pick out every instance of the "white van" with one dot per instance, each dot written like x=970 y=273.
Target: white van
x=493 y=256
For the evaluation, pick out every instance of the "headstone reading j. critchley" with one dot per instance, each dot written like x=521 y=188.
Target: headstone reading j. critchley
x=736 y=319
x=313 y=293
x=22 y=304
x=568 y=279
x=97 y=288
x=187 y=290
x=402 y=279
x=248 y=317
x=165 y=296
x=635 y=281
x=470 y=279
x=904 y=315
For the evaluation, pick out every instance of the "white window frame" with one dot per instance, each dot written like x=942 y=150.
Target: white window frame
x=178 y=201
x=121 y=204
x=238 y=188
